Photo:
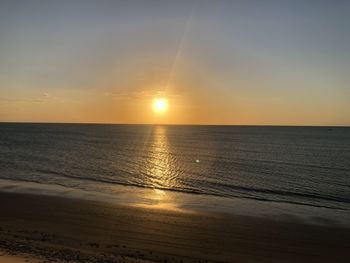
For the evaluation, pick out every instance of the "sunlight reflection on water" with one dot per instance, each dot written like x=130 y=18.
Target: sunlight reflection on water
x=159 y=167
x=160 y=162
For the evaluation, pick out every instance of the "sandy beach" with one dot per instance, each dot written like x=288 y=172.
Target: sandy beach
x=62 y=229
x=18 y=259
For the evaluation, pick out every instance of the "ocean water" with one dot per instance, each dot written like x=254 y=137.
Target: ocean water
x=308 y=166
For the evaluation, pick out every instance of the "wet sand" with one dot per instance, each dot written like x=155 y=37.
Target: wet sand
x=63 y=229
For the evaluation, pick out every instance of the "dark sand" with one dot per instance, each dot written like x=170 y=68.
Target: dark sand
x=85 y=231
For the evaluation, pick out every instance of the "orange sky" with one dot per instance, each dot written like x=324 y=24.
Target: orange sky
x=223 y=63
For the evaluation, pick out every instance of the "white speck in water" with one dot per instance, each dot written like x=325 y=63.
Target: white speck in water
x=197 y=161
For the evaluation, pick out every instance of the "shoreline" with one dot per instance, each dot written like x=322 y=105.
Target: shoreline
x=61 y=228
x=187 y=202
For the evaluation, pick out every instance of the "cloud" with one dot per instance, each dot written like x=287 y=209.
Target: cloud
x=140 y=95
x=42 y=98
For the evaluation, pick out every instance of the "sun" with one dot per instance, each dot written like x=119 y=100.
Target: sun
x=160 y=105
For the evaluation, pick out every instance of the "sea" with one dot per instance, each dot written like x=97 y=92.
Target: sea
x=306 y=167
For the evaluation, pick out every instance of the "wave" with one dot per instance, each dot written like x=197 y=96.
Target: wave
x=245 y=192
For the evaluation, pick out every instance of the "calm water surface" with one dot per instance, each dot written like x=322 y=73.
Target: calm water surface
x=299 y=165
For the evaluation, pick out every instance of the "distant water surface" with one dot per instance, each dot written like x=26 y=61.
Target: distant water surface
x=298 y=165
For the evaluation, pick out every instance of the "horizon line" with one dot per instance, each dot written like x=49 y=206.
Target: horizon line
x=168 y=124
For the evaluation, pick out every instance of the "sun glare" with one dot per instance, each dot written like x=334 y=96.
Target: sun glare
x=160 y=105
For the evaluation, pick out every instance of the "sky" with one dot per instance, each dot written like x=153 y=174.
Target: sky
x=247 y=62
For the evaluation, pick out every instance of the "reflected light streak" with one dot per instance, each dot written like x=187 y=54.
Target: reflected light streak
x=160 y=172
x=160 y=163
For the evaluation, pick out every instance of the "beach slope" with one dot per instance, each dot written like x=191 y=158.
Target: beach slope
x=65 y=229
